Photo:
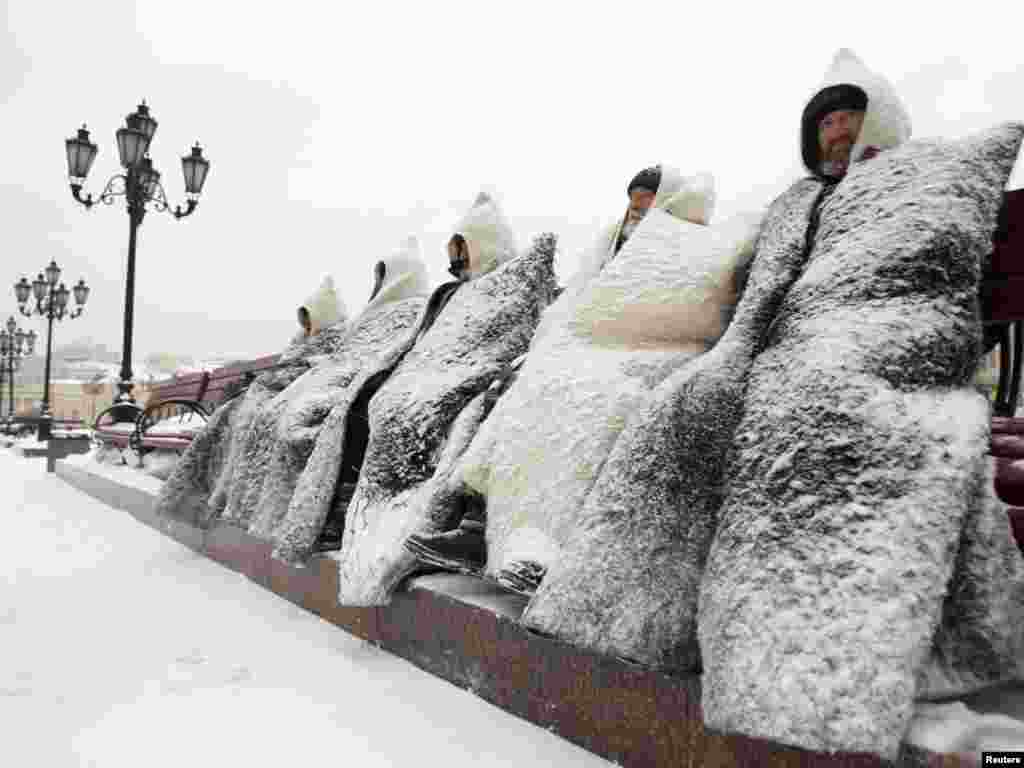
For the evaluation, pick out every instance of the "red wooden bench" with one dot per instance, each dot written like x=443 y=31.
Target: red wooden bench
x=1002 y=301
x=180 y=407
x=182 y=404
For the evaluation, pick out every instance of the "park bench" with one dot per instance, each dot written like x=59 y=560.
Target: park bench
x=1002 y=302
x=176 y=409
x=179 y=408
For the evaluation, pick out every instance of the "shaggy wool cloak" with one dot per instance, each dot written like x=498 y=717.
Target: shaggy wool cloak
x=276 y=448
x=195 y=490
x=414 y=417
x=602 y=349
x=225 y=462
x=861 y=558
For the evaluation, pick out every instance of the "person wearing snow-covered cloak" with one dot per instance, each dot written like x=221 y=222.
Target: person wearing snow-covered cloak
x=600 y=348
x=464 y=548
x=479 y=243
x=292 y=428
x=806 y=511
x=424 y=414
x=196 y=489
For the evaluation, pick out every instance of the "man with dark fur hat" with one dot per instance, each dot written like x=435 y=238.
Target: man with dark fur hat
x=830 y=126
x=642 y=189
x=851 y=117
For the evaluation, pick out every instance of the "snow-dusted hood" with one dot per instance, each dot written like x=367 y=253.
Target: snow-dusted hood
x=488 y=236
x=688 y=198
x=324 y=306
x=402 y=275
x=886 y=122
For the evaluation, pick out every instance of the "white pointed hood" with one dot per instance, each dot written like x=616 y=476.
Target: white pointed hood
x=688 y=198
x=488 y=235
x=324 y=306
x=886 y=121
x=405 y=275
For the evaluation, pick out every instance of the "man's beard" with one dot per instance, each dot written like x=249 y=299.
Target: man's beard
x=630 y=224
x=837 y=158
x=838 y=155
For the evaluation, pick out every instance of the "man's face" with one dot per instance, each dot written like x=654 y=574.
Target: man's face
x=458 y=257
x=837 y=133
x=640 y=201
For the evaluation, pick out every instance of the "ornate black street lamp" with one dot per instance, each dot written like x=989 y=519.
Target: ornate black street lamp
x=139 y=185
x=51 y=303
x=14 y=345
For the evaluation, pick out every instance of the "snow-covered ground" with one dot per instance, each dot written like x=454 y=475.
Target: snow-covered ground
x=120 y=647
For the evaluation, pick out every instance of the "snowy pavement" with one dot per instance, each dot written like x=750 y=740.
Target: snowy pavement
x=120 y=647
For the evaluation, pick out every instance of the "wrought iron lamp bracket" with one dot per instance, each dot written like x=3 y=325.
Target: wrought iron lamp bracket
x=117 y=186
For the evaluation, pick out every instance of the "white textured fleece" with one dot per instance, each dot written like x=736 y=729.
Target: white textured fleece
x=324 y=306
x=886 y=121
x=405 y=276
x=488 y=235
x=671 y=285
x=544 y=444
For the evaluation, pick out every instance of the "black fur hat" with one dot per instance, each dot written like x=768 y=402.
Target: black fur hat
x=648 y=178
x=843 y=96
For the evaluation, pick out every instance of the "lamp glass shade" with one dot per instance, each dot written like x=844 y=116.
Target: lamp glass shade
x=52 y=273
x=81 y=152
x=61 y=296
x=31 y=341
x=195 y=167
x=131 y=146
x=39 y=288
x=4 y=343
x=81 y=293
x=11 y=325
x=141 y=120
x=22 y=290
x=19 y=339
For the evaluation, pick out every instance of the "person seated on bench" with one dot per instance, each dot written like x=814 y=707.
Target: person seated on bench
x=463 y=548
x=480 y=241
x=320 y=310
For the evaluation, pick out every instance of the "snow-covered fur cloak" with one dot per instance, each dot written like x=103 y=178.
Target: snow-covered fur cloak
x=196 y=489
x=861 y=559
x=628 y=582
x=417 y=426
x=602 y=350
x=287 y=429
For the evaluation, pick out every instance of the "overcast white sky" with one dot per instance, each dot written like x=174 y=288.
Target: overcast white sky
x=335 y=130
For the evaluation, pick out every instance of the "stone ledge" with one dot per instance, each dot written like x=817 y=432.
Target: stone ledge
x=466 y=631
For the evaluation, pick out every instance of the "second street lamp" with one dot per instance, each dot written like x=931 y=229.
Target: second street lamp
x=14 y=345
x=51 y=301
x=139 y=185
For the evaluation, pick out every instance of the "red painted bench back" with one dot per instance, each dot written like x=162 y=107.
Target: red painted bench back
x=1003 y=286
x=187 y=387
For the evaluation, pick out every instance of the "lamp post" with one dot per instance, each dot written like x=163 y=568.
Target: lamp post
x=139 y=185
x=51 y=302
x=14 y=344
